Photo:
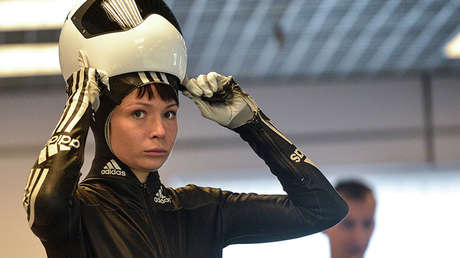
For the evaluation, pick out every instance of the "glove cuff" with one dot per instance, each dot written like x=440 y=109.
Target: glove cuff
x=248 y=113
x=242 y=118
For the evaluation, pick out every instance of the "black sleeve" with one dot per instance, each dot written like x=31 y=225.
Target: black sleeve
x=49 y=198
x=311 y=204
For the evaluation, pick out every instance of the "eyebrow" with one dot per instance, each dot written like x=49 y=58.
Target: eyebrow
x=171 y=105
x=148 y=105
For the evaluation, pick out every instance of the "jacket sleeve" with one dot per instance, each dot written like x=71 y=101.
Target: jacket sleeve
x=49 y=198
x=311 y=204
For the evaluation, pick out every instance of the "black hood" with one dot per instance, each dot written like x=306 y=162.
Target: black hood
x=120 y=87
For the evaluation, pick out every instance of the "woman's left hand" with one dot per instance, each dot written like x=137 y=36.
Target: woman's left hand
x=233 y=113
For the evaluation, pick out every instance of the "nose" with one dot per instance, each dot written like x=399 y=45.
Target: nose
x=157 y=128
x=360 y=237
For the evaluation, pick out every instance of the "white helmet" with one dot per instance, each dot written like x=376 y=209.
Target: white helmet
x=123 y=36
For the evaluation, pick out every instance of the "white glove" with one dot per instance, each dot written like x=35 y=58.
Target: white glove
x=233 y=113
x=92 y=77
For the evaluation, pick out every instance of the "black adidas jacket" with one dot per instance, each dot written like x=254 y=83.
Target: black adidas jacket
x=112 y=214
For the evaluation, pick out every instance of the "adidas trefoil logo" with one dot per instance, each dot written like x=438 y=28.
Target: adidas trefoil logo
x=112 y=168
x=160 y=197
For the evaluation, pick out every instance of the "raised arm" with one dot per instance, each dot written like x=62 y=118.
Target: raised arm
x=311 y=204
x=49 y=200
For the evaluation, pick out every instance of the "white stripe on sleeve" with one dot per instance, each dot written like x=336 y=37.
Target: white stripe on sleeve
x=71 y=109
x=26 y=200
x=34 y=196
x=81 y=111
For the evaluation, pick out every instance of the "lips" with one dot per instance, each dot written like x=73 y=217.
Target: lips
x=156 y=152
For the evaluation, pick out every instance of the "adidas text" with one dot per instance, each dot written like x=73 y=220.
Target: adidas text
x=64 y=140
x=56 y=144
x=114 y=172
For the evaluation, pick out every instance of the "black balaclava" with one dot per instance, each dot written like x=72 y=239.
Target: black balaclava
x=92 y=20
x=120 y=87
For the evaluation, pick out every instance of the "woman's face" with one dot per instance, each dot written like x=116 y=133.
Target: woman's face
x=143 y=131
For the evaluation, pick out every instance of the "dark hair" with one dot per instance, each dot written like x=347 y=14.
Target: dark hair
x=353 y=189
x=166 y=92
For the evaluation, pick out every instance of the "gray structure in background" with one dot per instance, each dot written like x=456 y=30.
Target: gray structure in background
x=350 y=82
x=258 y=39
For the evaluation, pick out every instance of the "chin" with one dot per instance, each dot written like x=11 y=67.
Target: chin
x=143 y=166
x=148 y=169
x=152 y=166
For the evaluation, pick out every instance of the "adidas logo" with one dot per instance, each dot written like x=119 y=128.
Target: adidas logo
x=160 y=197
x=112 y=168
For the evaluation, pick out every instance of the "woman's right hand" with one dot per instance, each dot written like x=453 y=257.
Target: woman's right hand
x=92 y=82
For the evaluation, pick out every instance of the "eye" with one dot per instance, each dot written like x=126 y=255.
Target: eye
x=368 y=224
x=138 y=114
x=170 y=114
x=348 y=224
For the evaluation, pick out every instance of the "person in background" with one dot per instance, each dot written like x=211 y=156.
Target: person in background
x=350 y=238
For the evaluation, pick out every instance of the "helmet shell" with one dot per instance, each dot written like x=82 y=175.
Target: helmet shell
x=154 y=45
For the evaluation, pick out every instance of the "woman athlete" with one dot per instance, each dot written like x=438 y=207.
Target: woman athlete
x=121 y=208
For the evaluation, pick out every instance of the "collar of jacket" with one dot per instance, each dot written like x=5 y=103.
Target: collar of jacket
x=114 y=174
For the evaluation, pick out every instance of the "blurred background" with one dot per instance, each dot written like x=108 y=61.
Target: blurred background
x=368 y=89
